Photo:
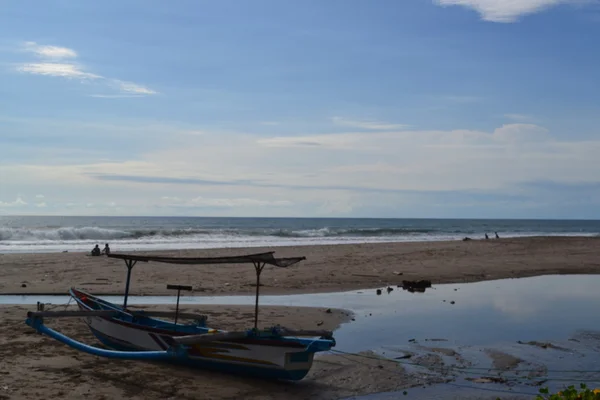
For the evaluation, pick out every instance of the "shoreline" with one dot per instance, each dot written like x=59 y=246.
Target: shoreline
x=275 y=293
x=300 y=244
x=328 y=268
x=249 y=249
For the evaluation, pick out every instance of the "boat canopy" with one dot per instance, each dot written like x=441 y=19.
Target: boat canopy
x=260 y=258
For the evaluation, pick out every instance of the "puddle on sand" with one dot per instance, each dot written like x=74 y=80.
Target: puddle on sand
x=470 y=318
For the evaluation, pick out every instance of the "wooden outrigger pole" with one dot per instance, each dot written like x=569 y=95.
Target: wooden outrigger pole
x=259 y=261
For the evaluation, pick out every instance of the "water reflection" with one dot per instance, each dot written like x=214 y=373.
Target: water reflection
x=539 y=308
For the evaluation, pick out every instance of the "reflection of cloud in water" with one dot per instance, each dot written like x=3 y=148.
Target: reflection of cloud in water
x=525 y=297
x=515 y=307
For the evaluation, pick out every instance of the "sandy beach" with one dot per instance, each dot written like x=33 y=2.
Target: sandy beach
x=39 y=367
x=326 y=269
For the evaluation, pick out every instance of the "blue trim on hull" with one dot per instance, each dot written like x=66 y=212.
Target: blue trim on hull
x=124 y=355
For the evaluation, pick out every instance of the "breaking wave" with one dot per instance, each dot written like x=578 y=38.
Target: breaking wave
x=74 y=234
x=95 y=233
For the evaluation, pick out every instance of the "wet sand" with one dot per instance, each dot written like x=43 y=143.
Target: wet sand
x=327 y=268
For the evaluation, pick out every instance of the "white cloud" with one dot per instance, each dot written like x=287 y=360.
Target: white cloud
x=326 y=174
x=54 y=52
x=338 y=140
x=129 y=87
x=114 y=96
x=58 y=70
x=239 y=202
x=438 y=160
x=505 y=10
x=520 y=133
x=51 y=67
x=377 y=167
x=384 y=140
x=223 y=202
x=39 y=196
x=519 y=117
x=370 y=125
x=41 y=205
x=19 y=202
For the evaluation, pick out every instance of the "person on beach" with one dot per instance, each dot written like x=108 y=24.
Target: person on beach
x=96 y=251
x=486 y=236
x=497 y=237
x=106 y=249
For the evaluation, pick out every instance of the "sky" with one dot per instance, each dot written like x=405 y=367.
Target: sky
x=313 y=108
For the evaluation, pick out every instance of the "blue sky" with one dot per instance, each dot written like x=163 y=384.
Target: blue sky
x=412 y=108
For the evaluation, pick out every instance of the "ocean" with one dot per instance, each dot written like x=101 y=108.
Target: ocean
x=28 y=234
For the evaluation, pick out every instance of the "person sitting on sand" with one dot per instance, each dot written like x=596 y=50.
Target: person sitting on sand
x=106 y=249
x=96 y=251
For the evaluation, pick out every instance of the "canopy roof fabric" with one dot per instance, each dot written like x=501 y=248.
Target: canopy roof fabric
x=266 y=258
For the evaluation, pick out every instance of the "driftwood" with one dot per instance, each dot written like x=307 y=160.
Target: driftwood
x=367 y=275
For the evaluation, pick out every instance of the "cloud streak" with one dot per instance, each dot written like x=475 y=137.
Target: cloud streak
x=519 y=117
x=201 y=202
x=365 y=173
x=505 y=11
x=134 y=88
x=368 y=125
x=54 y=65
x=160 y=180
x=54 y=52
x=57 y=70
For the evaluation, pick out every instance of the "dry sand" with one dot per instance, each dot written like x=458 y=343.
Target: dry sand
x=36 y=367
x=327 y=268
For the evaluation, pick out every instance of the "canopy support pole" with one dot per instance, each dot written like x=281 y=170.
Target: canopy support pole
x=179 y=288
x=258 y=266
x=130 y=264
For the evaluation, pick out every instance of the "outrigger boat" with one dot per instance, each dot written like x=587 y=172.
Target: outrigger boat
x=274 y=352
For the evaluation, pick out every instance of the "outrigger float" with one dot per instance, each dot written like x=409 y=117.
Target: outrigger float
x=275 y=352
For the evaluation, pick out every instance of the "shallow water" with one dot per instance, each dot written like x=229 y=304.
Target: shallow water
x=572 y=361
x=493 y=314
x=548 y=307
